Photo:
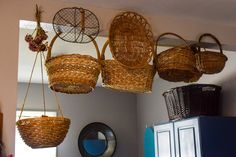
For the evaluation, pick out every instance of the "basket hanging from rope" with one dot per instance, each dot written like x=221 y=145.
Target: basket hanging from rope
x=178 y=63
x=210 y=62
x=76 y=25
x=119 y=77
x=72 y=73
x=131 y=40
x=42 y=132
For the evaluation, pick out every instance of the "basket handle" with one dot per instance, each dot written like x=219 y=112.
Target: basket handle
x=49 y=54
x=213 y=37
x=169 y=33
x=104 y=50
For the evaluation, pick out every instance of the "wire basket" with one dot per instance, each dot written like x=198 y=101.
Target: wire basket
x=72 y=73
x=76 y=25
x=193 y=100
x=118 y=77
x=177 y=64
x=43 y=132
x=210 y=62
x=131 y=40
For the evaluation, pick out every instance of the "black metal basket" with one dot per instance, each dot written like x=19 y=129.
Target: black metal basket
x=193 y=100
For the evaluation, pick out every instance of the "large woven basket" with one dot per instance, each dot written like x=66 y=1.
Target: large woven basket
x=131 y=40
x=210 y=62
x=43 y=132
x=122 y=78
x=177 y=64
x=72 y=73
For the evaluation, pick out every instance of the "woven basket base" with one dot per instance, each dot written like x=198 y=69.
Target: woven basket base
x=43 y=132
x=71 y=89
x=115 y=76
x=178 y=75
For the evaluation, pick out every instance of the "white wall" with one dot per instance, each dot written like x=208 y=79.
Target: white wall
x=151 y=108
x=116 y=109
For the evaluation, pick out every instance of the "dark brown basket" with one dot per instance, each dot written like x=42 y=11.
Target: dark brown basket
x=210 y=62
x=192 y=100
x=177 y=64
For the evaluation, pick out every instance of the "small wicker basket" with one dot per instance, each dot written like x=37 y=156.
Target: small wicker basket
x=43 y=132
x=210 y=62
x=118 y=77
x=72 y=73
x=177 y=64
x=131 y=40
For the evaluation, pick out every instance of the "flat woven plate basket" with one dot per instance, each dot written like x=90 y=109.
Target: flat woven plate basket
x=177 y=64
x=118 y=77
x=72 y=73
x=210 y=62
x=131 y=40
x=43 y=132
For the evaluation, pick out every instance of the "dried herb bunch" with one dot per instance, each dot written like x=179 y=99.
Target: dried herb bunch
x=36 y=43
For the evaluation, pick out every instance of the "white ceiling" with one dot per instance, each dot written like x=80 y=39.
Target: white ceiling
x=214 y=10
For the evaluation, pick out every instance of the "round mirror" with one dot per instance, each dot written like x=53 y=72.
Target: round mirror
x=97 y=140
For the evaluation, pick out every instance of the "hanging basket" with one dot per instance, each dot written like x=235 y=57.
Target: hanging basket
x=210 y=62
x=131 y=40
x=177 y=64
x=43 y=132
x=72 y=73
x=118 y=77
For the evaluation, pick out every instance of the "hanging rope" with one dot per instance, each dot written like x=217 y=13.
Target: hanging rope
x=55 y=95
x=43 y=91
x=29 y=83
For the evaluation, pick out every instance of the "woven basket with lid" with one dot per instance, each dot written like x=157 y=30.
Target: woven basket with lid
x=177 y=64
x=131 y=40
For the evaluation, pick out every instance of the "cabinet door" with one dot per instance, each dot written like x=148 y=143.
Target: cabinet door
x=187 y=138
x=164 y=140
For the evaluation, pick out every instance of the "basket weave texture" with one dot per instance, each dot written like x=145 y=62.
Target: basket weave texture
x=210 y=62
x=43 y=132
x=119 y=77
x=131 y=40
x=73 y=73
x=177 y=64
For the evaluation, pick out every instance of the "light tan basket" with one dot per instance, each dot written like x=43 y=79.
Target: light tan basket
x=131 y=40
x=72 y=73
x=43 y=132
x=177 y=64
x=210 y=62
x=118 y=77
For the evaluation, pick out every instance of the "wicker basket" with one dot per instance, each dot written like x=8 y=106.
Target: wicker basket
x=118 y=77
x=72 y=73
x=177 y=64
x=210 y=62
x=193 y=100
x=43 y=132
x=131 y=40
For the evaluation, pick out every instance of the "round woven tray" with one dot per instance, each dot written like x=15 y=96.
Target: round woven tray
x=131 y=40
x=118 y=77
x=73 y=73
x=43 y=132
